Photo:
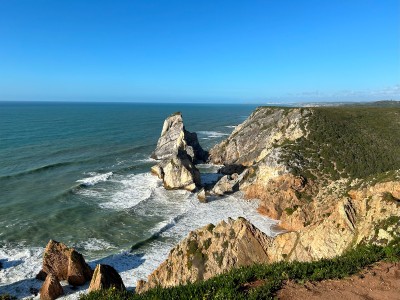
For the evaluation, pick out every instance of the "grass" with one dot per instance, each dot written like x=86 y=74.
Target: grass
x=231 y=284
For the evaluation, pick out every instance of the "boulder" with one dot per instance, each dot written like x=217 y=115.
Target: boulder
x=65 y=264
x=51 y=288
x=202 y=196
x=178 y=172
x=175 y=138
x=227 y=184
x=105 y=277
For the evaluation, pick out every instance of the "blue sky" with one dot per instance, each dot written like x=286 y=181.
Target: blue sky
x=194 y=51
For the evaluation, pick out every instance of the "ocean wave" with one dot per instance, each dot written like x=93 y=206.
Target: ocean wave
x=94 y=179
x=20 y=266
x=135 y=189
x=40 y=169
x=231 y=126
x=93 y=244
x=211 y=134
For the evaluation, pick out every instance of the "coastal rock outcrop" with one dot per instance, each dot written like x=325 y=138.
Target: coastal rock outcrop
x=178 y=172
x=254 y=139
x=65 y=264
x=178 y=151
x=209 y=251
x=51 y=288
x=105 y=277
x=175 y=138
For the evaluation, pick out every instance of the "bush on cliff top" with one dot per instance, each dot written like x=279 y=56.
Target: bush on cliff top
x=232 y=285
x=348 y=141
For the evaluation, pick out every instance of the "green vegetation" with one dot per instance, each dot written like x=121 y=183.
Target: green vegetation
x=231 y=284
x=7 y=297
x=347 y=141
x=290 y=210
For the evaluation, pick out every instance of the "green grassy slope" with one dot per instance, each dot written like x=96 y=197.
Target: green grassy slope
x=347 y=141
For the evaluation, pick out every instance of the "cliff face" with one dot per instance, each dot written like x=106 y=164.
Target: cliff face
x=259 y=135
x=298 y=173
x=209 y=251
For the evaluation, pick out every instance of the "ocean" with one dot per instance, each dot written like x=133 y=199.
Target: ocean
x=78 y=173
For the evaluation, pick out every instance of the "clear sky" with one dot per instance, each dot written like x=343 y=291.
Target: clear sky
x=211 y=51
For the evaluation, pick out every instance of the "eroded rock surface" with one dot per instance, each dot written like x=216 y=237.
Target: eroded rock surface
x=51 y=288
x=65 y=264
x=178 y=151
x=178 y=172
x=105 y=277
x=255 y=138
x=175 y=138
x=209 y=251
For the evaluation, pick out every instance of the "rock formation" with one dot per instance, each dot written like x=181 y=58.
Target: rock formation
x=202 y=196
x=325 y=209
x=65 y=264
x=105 y=277
x=254 y=139
x=178 y=150
x=51 y=288
x=209 y=251
x=178 y=172
x=175 y=138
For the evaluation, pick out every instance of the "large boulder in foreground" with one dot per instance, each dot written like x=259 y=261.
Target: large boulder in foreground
x=51 y=288
x=105 y=277
x=209 y=251
x=65 y=264
x=175 y=138
x=178 y=172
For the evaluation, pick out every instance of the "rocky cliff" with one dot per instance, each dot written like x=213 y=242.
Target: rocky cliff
x=328 y=174
x=209 y=251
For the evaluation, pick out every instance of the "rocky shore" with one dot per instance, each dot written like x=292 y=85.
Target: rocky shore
x=322 y=214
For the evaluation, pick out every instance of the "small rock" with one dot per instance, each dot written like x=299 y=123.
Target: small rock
x=51 y=288
x=105 y=277
x=202 y=196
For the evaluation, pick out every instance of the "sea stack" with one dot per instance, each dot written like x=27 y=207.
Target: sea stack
x=178 y=150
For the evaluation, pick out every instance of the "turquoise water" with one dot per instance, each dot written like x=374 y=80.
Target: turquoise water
x=79 y=173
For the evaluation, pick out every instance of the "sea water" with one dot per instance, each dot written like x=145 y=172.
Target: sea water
x=79 y=173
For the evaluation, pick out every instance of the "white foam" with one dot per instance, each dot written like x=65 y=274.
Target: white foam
x=135 y=189
x=20 y=266
x=95 y=178
x=181 y=213
x=93 y=244
x=147 y=160
x=231 y=126
x=211 y=134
